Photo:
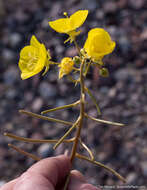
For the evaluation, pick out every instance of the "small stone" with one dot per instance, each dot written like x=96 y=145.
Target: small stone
x=59 y=49
x=8 y=55
x=144 y=168
x=37 y=104
x=71 y=52
x=22 y=132
x=90 y=5
x=11 y=75
x=11 y=93
x=110 y=6
x=60 y=102
x=47 y=90
x=112 y=92
x=100 y=14
x=124 y=44
x=44 y=24
x=45 y=150
x=55 y=10
x=14 y=39
x=137 y=5
x=131 y=177
x=143 y=35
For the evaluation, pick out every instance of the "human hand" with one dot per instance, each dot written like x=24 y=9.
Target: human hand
x=49 y=174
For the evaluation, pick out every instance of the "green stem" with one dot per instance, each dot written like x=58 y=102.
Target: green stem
x=45 y=118
x=87 y=149
x=61 y=107
x=80 y=124
x=66 y=134
x=81 y=117
x=36 y=140
x=93 y=99
x=36 y=158
x=87 y=68
x=102 y=165
x=78 y=48
x=104 y=121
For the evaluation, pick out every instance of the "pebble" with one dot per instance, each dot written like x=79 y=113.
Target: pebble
x=11 y=75
x=144 y=168
x=45 y=150
x=137 y=5
x=125 y=45
x=112 y=92
x=15 y=39
x=37 y=104
x=8 y=54
x=90 y=5
x=131 y=178
x=47 y=90
x=110 y=6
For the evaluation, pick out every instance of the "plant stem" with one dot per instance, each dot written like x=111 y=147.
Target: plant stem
x=29 y=140
x=87 y=149
x=81 y=117
x=66 y=134
x=77 y=46
x=80 y=123
x=101 y=165
x=61 y=107
x=104 y=121
x=36 y=158
x=45 y=118
x=93 y=99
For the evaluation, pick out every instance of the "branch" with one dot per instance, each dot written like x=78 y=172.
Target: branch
x=45 y=118
x=104 y=121
x=25 y=153
x=93 y=99
x=66 y=134
x=36 y=140
x=88 y=150
x=61 y=107
x=102 y=165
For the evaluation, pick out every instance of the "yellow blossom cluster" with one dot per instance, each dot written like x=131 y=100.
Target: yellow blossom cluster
x=34 y=57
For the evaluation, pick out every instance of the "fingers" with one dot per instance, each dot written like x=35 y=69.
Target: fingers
x=77 y=181
x=75 y=174
x=54 y=169
x=45 y=174
x=9 y=186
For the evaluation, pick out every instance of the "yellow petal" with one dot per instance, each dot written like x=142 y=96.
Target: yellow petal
x=98 y=43
x=32 y=60
x=61 y=25
x=78 y=18
x=34 y=42
x=61 y=74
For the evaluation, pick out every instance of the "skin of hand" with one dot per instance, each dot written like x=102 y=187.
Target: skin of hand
x=49 y=174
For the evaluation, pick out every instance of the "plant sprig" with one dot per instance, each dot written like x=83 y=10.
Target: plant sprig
x=35 y=57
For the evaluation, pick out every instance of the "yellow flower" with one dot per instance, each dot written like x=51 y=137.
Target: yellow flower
x=98 y=44
x=66 y=66
x=33 y=59
x=70 y=24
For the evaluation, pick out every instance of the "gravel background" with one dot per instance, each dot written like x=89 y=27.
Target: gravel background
x=122 y=96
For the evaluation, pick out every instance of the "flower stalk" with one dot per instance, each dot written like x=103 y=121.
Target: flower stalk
x=81 y=117
x=35 y=58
